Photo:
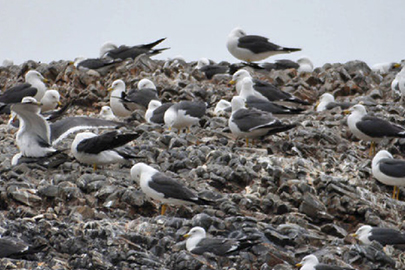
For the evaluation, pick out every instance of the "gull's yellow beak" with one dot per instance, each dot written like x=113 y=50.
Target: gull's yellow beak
x=354 y=235
x=346 y=112
x=59 y=103
x=298 y=265
x=186 y=235
x=316 y=105
x=110 y=89
x=45 y=80
x=232 y=82
x=396 y=65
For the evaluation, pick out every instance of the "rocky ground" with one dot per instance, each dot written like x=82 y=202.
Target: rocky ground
x=300 y=192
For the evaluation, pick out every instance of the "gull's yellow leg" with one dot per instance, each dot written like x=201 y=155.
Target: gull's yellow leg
x=163 y=210
x=247 y=141
x=94 y=166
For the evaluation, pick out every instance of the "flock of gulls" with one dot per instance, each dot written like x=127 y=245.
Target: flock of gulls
x=253 y=117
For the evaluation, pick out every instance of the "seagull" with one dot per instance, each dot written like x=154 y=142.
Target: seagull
x=34 y=86
x=184 y=114
x=117 y=93
x=371 y=128
x=35 y=136
x=140 y=98
x=389 y=171
x=160 y=187
x=310 y=262
x=156 y=111
x=107 y=113
x=198 y=243
x=264 y=89
x=82 y=63
x=123 y=52
x=250 y=48
x=222 y=106
x=384 y=68
x=398 y=84
x=385 y=236
x=305 y=65
x=262 y=103
x=50 y=100
x=327 y=102
x=253 y=123
x=209 y=69
x=90 y=148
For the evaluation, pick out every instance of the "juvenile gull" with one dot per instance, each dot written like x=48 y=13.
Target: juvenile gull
x=93 y=149
x=184 y=114
x=385 y=236
x=310 y=262
x=327 y=102
x=389 y=171
x=156 y=111
x=160 y=187
x=251 y=48
x=253 y=123
x=264 y=89
x=371 y=128
x=123 y=52
x=34 y=86
x=198 y=243
x=262 y=103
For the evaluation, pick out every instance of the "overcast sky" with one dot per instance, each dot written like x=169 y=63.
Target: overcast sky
x=327 y=31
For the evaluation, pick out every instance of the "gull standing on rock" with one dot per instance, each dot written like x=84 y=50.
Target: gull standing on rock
x=93 y=149
x=327 y=102
x=140 y=98
x=184 y=114
x=117 y=90
x=123 y=52
x=385 y=236
x=198 y=243
x=156 y=111
x=311 y=262
x=160 y=187
x=389 y=171
x=34 y=86
x=50 y=100
x=371 y=128
x=262 y=103
x=253 y=123
x=263 y=89
x=251 y=48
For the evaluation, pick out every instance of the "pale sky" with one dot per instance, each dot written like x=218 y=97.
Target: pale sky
x=327 y=31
